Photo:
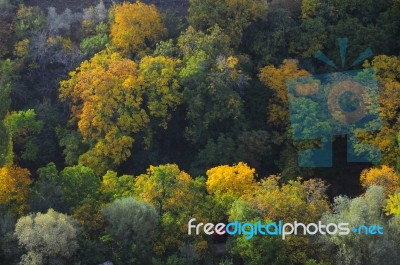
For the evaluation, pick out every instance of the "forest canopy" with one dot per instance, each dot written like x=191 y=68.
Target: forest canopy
x=122 y=120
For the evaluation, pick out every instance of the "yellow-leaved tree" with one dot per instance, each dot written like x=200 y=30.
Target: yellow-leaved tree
x=135 y=27
x=275 y=78
x=387 y=69
x=385 y=176
x=297 y=200
x=237 y=180
x=14 y=187
x=226 y=184
x=393 y=204
x=112 y=100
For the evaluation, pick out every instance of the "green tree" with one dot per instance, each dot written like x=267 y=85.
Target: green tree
x=296 y=200
x=367 y=11
x=5 y=89
x=133 y=226
x=355 y=248
x=78 y=183
x=212 y=81
x=267 y=41
x=47 y=191
x=29 y=20
x=9 y=251
x=23 y=126
x=260 y=250
x=233 y=16
x=309 y=37
x=65 y=190
x=72 y=143
x=91 y=45
x=114 y=186
x=216 y=152
x=177 y=198
x=8 y=23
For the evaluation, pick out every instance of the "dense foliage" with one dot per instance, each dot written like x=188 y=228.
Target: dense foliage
x=119 y=123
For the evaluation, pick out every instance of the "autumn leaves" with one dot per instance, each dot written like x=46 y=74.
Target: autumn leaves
x=112 y=99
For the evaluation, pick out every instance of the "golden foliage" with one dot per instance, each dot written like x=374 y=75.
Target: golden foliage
x=387 y=69
x=393 y=204
x=295 y=200
x=21 y=48
x=275 y=78
x=14 y=187
x=136 y=25
x=301 y=201
x=236 y=180
x=160 y=77
x=166 y=187
x=384 y=176
x=106 y=101
x=112 y=100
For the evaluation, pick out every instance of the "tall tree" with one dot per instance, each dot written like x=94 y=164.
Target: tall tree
x=112 y=101
x=6 y=31
x=23 y=125
x=213 y=81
